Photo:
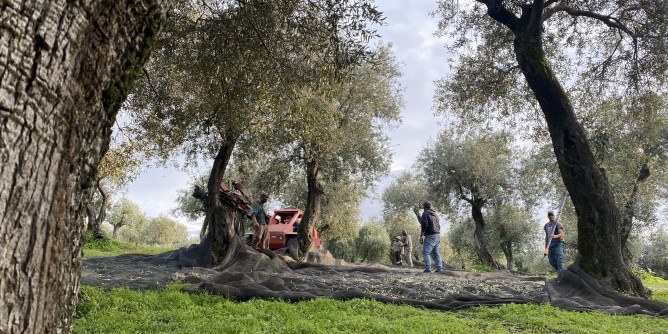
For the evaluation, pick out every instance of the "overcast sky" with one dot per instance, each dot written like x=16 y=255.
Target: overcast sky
x=422 y=58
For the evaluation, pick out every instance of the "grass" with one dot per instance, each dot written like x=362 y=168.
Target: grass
x=658 y=285
x=173 y=311
x=111 y=247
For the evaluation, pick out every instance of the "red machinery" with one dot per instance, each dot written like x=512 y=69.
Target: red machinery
x=283 y=229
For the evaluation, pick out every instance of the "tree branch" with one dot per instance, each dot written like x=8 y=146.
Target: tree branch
x=608 y=20
x=536 y=19
x=463 y=196
x=497 y=11
x=244 y=6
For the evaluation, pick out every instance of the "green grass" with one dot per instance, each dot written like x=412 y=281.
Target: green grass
x=658 y=285
x=173 y=311
x=111 y=247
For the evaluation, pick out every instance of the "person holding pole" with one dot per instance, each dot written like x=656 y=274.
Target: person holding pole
x=554 y=243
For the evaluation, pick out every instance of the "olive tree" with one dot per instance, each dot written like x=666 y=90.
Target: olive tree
x=335 y=133
x=226 y=69
x=520 y=62
x=474 y=170
x=406 y=193
x=119 y=166
x=126 y=213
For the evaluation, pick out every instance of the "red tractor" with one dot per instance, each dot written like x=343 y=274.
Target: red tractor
x=282 y=224
x=283 y=229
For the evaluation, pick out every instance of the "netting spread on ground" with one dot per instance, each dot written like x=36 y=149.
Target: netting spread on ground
x=255 y=275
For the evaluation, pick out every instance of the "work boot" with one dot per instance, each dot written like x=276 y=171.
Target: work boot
x=438 y=270
x=426 y=271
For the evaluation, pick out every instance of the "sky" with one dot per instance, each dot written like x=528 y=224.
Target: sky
x=422 y=58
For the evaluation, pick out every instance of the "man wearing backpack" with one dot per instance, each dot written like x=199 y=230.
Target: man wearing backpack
x=430 y=237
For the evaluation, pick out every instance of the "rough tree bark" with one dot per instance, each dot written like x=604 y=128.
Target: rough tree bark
x=313 y=207
x=599 y=244
x=507 y=248
x=226 y=243
x=479 y=234
x=117 y=227
x=630 y=212
x=95 y=220
x=65 y=69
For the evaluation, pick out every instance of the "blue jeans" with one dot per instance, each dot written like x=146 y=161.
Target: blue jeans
x=431 y=246
x=556 y=256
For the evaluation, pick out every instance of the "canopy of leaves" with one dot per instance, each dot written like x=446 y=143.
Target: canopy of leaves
x=224 y=67
x=630 y=139
x=164 y=231
x=596 y=48
x=477 y=168
x=341 y=125
x=125 y=213
x=405 y=194
x=515 y=227
x=372 y=243
x=340 y=205
x=188 y=206
x=655 y=255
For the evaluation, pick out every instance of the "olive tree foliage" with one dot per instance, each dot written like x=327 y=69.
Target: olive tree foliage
x=127 y=213
x=513 y=231
x=131 y=224
x=119 y=166
x=629 y=136
x=406 y=193
x=335 y=133
x=340 y=205
x=655 y=253
x=474 y=171
x=460 y=238
x=372 y=243
x=342 y=248
x=165 y=231
x=226 y=69
x=188 y=206
x=395 y=225
x=600 y=46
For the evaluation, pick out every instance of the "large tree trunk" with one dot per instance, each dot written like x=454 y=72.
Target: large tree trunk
x=507 y=248
x=96 y=226
x=219 y=218
x=629 y=213
x=116 y=228
x=65 y=69
x=479 y=236
x=599 y=243
x=313 y=207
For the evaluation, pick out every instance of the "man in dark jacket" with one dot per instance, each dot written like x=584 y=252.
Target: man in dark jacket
x=430 y=237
